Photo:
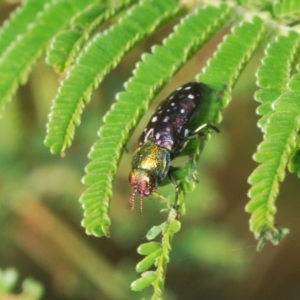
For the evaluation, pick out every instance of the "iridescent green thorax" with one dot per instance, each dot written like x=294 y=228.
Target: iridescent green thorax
x=150 y=165
x=152 y=158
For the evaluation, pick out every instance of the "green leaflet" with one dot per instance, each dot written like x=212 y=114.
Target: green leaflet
x=143 y=282
x=227 y=63
x=287 y=9
x=159 y=256
x=30 y=289
x=149 y=76
x=24 y=51
x=273 y=154
x=275 y=71
x=164 y=258
x=101 y=55
x=18 y=22
x=148 y=261
x=66 y=44
x=148 y=248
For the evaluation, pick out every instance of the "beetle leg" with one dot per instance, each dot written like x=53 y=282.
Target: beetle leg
x=202 y=131
x=156 y=194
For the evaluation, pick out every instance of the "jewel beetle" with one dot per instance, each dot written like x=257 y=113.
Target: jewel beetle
x=163 y=139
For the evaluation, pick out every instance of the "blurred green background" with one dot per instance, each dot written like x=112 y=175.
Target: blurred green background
x=213 y=256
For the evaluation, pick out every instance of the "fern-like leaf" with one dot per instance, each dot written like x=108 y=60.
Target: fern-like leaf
x=275 y=71
x=273 y=155
x=171 y=227
x=17 y=60
x=148 y=79
x=159 y=256
x=227 y=64
x=272 y=77
x=66 y=44
x=101 y=55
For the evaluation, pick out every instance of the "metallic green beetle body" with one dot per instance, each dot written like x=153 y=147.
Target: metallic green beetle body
x=164 y=138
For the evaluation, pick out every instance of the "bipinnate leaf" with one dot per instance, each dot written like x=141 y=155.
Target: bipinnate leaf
x=97 y=59
x=19 y=57
x=273 y=155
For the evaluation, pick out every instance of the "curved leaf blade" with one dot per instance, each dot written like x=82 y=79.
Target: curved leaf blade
x=163 y=259
x=148 y=248
x=17 y=61
x=66 y=44
x=273 y=154
x=148 y=261
x=275 y=71
x=101 y=55
x=143 y=282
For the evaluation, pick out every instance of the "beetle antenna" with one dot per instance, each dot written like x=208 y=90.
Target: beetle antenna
x=141 y=205
x=131 y=200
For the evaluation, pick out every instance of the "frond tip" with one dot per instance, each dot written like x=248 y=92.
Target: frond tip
x=157 y=255
x=276 y=235
x=273 y=155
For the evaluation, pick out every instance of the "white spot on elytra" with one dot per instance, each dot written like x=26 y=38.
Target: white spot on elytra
x=173 y=103
x=166 y=119
x=179 y=88
x=157 y=136
x=171 y=97
x=154 y=119
x=190 y=96
x=182 y=111
x=150 y=132
x=168 y=129
x=168 y=110
x=188 y=87
x=186 y=132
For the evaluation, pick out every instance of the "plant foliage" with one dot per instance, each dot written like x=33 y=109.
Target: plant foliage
x=83 y=54
x=19 y=56
x=31 y=289
x=274 y=78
